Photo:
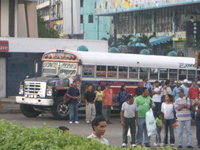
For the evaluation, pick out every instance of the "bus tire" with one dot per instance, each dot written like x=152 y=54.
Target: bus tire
x=29 y=111
x=60 y=110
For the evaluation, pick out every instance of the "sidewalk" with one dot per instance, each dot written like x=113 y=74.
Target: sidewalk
x=9 y=106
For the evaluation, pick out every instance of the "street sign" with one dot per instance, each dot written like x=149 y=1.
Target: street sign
x=4 y=46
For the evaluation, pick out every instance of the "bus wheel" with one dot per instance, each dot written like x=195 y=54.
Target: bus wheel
x=60 y=110
x=29 y=111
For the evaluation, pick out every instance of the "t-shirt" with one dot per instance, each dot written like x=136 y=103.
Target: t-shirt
x=159 y=122
x=129 y=109
x=167 y=90
x=184 y=114
x=175 y=93
x=193 y=92
x=157 y=97
x=107 y=97
x=185 y=89
x=90 y=96
x=138 y=91
x=172 y=86
x=168 y=110
x=73 y=92
x=102 y=140
x=143 y=105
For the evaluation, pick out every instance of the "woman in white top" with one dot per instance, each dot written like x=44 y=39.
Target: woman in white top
x=168 y=109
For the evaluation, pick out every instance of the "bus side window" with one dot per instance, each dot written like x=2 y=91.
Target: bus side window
x=133 y=73
x=198 y=74
x=101 y=72
x=173 y=74
x=123 y=72
x=88 y=71
x=182 y=74
x=154 y=73
x=163 y=73
x=143 y=72
x=112 y=72
x=191 y=74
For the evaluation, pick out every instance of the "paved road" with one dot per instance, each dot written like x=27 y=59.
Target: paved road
x=113 y=133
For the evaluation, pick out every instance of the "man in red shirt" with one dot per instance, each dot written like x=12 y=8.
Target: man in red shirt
x=193 y=93
x=107 y=103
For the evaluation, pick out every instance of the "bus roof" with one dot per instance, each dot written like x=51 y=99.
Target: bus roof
x=136 y=60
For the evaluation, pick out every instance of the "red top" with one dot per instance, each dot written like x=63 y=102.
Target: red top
x=107 y=97
x=193 y=92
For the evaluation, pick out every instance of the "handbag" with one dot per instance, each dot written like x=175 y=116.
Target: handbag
x=66 y=99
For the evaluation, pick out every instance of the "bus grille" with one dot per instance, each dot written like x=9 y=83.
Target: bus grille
x=35 y=89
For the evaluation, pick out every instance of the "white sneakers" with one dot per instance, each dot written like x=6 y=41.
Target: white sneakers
x=76 y=122
x=155 y=144
x=124 y=145
x=133 y=145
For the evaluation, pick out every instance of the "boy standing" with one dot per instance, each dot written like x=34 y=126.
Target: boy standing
x=129 y=118
x=90 y=99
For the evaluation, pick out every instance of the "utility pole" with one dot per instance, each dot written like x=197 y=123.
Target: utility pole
x=72 y=16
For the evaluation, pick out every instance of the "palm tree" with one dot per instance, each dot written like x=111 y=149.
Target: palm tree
x=110 y=40
x=124 y=40
x=145 y=39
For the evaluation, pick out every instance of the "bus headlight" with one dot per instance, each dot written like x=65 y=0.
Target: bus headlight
x=49 y=92
x=21 y=90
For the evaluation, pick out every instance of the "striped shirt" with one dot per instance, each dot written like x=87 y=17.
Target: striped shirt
x=183 y=114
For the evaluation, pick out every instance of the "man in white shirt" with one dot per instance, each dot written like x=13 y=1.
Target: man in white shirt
x=156 y=98
x=99 y=127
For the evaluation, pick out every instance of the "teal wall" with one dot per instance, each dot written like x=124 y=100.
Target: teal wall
x=91 y=29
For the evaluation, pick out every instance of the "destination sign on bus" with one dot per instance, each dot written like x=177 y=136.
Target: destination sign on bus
x=59 y=56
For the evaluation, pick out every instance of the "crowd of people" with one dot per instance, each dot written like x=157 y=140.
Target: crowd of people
x=171 y=103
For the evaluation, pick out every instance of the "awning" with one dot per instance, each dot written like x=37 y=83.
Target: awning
x=160 y=39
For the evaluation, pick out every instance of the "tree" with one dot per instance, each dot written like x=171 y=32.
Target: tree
x=124 y=40
x=145 y=40
x=43 y=28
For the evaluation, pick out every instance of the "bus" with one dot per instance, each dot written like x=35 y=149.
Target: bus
x=61 y=67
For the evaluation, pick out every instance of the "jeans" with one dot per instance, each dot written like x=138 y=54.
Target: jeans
x=156 y=109
x=106 y=112
x=187 y=125
x=198 y=129
x=158 y=137
x=73 y=112
x=168 y=125
x=129 y=122
x=98 y=106
x=142 y=128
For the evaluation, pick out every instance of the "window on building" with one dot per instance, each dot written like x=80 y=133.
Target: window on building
x=58 y=10
x=11 y=17
x=81 y=3
x=90 y=18
x=81 y=19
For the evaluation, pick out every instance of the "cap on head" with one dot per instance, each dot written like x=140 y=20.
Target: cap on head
x=141 y=82
x=185 y=81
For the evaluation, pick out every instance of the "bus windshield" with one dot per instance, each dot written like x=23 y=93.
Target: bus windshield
x=59 y=68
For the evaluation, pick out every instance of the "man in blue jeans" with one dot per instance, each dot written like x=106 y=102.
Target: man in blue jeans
x=74 y=94
x=144 y=103
x=182 y=105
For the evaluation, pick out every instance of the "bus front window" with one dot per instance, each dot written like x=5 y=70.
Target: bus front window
x=68 y=69
x=50 y=68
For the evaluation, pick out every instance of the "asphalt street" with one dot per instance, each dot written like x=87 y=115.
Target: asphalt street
x=113 y=132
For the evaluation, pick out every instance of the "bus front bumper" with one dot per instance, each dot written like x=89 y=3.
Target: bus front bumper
x=34 y=101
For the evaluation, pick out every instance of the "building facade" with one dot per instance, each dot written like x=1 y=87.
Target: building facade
x=75 y=19
x=172 y=21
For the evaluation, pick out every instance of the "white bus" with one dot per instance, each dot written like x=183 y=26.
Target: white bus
x=37 y=94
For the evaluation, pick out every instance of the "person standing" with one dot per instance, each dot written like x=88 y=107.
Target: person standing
x=167 y=88
x=144 y=103
x=90 y=99
x=159 y=125
x=184 y=87
x=129 y=119
x=121 y=97
x=138 y=90
x=74 y=94
x=107 y=103
x=196 y=107
x=168 y=109
x=156 y=98
x=147 y=84
x=99 y=99
x=162 y=85
x=172 y=85
x=175 y=91
x=182 y=105
x=193 y=93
